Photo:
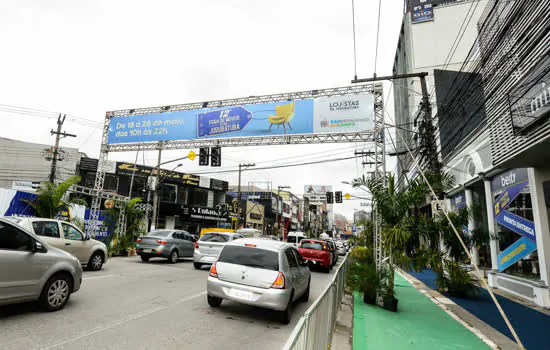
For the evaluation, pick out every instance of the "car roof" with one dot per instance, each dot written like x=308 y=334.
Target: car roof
x=313 y=240
x=262 y=243
x=220 y=233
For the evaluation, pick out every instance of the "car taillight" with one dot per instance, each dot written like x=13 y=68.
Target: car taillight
x=213 y=271
x=197 y=245
x=138 y=240
x=160 y=241
x=280 y=282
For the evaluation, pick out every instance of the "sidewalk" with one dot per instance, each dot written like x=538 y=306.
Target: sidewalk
x=531 y=326
x=418 y=324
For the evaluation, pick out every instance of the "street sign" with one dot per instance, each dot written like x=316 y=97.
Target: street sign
x=438 y=207
x=223 y=121
x=191 y=155
x=347 y=196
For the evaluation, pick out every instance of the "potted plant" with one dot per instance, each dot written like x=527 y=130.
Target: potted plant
x=363 y=275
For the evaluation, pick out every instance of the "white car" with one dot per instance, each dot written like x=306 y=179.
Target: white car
x=209 y=246
x=92 y=254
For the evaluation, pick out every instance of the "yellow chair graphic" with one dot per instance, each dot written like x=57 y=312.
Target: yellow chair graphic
x=283 y=115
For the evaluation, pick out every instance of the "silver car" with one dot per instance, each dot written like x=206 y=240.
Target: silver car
x=30 y=269
x=259 y=272
x=209 y=246
x=168 y=244
x=63 y=235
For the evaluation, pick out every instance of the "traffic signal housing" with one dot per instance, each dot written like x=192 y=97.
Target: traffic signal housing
x=330 y=198
x=216 y=156
x=204 y=156
x=338 y=196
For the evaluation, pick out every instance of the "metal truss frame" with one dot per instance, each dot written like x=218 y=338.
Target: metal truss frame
x=363 y=136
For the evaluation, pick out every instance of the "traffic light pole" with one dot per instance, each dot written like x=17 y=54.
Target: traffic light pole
x=239 y=191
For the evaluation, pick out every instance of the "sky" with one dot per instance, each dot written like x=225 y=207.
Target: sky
x=83 y=58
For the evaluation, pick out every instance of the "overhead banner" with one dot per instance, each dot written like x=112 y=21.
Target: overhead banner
x=507 y=187
x=349 y=113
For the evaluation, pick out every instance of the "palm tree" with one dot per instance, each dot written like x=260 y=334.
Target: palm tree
x=49 y=201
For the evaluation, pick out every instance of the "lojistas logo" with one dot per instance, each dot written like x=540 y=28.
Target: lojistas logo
x=344 y=105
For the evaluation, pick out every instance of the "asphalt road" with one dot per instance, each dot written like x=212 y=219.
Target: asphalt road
x=155 y=305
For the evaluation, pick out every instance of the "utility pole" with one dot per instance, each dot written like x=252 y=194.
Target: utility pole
x=427 y=131
x=241 y=166
x=277 y=215
x=155 y=193
x=58 y=134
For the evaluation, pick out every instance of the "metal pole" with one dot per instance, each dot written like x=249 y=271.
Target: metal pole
x=155 y=194
x=277 y=216
x=133 y=175
x=239 y=198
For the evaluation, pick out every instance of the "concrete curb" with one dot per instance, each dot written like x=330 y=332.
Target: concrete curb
x=445 y=303
x=342 y=339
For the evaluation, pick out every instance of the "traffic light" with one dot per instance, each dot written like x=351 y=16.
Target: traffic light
x=330 y=198
x=216 y=156
x=338 y=196
x=204 y=158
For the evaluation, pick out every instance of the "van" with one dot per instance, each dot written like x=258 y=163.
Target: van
x=295 y=237
x=249 y=232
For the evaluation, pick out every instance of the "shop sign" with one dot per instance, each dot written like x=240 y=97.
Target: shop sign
x=204 y=182
x=204 y=214
x=129 y=169
x=514 y=253
x=459 y=201
x=88 y=164
x=256 y=216
x=422 y=13
x=218 y=185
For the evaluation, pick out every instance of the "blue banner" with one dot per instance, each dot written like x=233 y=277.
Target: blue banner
x=507 y=196
x=517 y=224
x=509 y=178
x=347 y=113
x=19 y=205
x=422 y=13
x=459 y=201
x=105 y=228
x=514 y=253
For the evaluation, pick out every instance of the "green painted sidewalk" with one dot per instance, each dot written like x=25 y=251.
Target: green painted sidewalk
x=417 y=324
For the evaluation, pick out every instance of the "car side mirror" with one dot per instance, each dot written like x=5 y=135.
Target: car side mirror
x=36 y=246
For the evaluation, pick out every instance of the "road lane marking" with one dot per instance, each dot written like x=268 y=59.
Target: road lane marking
x=96 y=277
x=122 y=321
x=183 y=300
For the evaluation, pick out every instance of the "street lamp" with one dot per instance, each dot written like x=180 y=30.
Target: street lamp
x=279 y=188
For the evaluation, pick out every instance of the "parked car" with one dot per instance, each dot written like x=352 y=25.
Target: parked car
x=316 y=252
x=341 y=249
x=63 y=235
x=295 y=238
x=31 y=269
x=167 y=244
x=259 y=272
x=209 y=246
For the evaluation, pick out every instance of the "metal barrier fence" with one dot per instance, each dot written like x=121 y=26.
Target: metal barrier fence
x=314 y=330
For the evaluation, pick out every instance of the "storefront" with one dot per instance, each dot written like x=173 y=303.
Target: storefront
x=254 y=215
x=519 y=212
x=197 y=218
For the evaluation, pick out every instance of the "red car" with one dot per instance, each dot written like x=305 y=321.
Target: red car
x=316 y=253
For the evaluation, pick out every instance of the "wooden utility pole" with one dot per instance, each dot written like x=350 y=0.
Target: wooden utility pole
x=58 y=134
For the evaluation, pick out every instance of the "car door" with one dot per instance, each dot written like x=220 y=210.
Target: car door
x=303 y=269
x=294 y=272
x=189 y=244
x=49 y=231
x=75 y=243
x=20 y=268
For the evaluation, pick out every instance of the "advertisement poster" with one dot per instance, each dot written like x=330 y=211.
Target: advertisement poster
x=506 y=187
x=317 y=189
x=349 y=113
x=422 y=13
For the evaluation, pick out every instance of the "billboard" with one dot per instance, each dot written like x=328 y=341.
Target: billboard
x=335 y=114
x=317 y=189
x=422 y=13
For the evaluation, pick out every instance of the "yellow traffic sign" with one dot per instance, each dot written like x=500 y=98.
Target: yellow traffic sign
x=347 y=196
x=191 y=155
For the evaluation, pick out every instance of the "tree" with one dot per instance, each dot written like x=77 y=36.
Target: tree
x=49 y=200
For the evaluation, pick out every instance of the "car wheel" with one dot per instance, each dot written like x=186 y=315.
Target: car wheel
x=96 y=261
x=197 y=266
x=144 y=258
x=173 y=257
x=214 y=301
x=305 y=297
x=56 y=292
x=286 y=314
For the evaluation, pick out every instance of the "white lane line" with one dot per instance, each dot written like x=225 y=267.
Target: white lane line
x=96 y=277
x=122 y=321
x=183 y=300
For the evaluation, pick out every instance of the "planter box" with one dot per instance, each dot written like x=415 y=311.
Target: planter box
x=388 y=303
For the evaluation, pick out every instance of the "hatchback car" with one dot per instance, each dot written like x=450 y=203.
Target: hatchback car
x=167 y=244
x=341 y=248
x=259 y=272
x=63 y=235
x=30 y=269
x=316 y=253
x=209 y=246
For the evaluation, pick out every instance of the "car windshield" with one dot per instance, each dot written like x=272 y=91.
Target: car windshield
x=312 y=245
x=214 y=237
x=248 y=256
x=159 y=233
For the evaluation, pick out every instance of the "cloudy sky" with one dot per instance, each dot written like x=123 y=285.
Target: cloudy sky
x=84 y=58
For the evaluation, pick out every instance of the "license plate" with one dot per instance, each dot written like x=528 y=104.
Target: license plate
x=147 y=250
x=241 y=294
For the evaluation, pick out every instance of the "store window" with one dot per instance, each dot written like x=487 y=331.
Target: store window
x=168 y=193
x=200 y=197
x=183 y=195
x=513 y=212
